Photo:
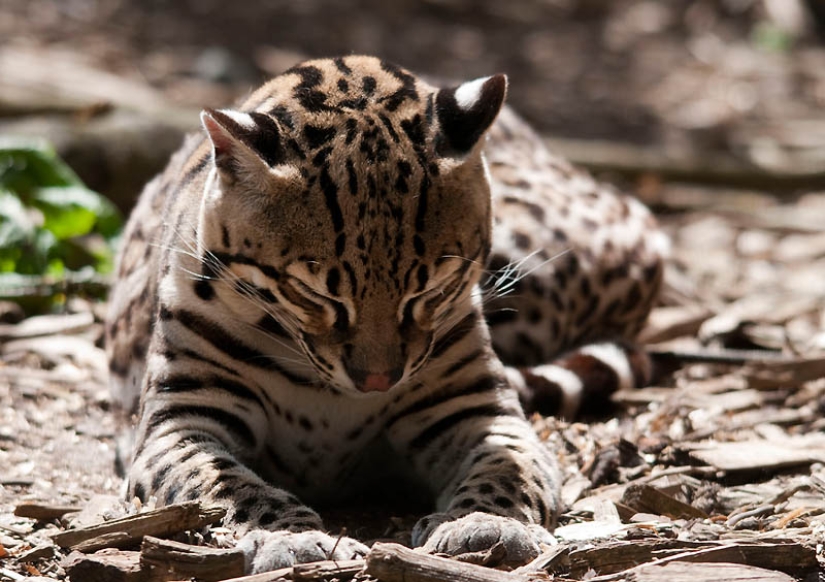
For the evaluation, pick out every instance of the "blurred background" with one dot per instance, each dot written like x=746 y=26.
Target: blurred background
x=720 y=90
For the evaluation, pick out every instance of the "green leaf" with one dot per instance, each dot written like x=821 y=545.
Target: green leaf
x=27 y=164
x=67 y=212
x=54 y=231
x=16 y=224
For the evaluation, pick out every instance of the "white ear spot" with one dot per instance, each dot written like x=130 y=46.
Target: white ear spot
x=468 y=94
x=243 y=119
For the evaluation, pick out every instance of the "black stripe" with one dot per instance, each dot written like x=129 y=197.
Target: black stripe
x=352 y=178
x=226 y=259
x=317 y=136
x=448 y=393
x=388 y=124
x=193 y=355
x=230 y=345
x=231 y=422
x=451 y=421
x=186 y=383
x=461 y=330
x=341 y=65
x=193 y=171
x=462 y=362
x=331 y=197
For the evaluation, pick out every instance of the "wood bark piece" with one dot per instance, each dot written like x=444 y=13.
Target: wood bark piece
x=324 y=570
x=687 y=572
x=129 y=530
x=169 y=560
x=105 y=566
x=759 y=455
x=42 y=512
x=648 y=499
x=396 y=563
x=616 y=561
x=720 y=168
x=791 y=558
x=327 y=570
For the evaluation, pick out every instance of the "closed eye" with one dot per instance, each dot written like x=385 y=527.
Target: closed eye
x=342 y=316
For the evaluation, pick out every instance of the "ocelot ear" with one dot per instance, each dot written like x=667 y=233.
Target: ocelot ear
x=466 y=112
x=242 y=142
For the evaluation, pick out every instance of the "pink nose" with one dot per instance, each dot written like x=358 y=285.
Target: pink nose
x=376 y=383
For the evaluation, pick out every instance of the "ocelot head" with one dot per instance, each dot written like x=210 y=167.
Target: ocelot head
x=352 y=199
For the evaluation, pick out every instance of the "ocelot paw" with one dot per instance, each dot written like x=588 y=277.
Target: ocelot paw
x=270 y=550
x=476 y=532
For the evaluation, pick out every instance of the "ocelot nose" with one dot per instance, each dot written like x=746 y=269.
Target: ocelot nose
x=375 y=382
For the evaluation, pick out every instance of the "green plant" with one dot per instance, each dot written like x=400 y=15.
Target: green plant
x=54 y=232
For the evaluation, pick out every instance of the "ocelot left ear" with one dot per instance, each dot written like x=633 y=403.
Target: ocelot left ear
x=242 y=141
x=465 y=112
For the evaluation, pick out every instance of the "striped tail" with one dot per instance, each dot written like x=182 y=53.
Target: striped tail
x=582 y=380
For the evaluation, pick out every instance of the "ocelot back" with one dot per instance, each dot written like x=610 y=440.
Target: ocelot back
x=311 y=276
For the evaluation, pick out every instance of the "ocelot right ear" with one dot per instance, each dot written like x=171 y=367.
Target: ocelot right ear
x=465 y=112
x=242 y=142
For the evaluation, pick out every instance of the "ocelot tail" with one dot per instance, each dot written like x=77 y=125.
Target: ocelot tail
x=355 y=259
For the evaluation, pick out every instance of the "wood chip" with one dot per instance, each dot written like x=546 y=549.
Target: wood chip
x=648 y=499
x=105 y=566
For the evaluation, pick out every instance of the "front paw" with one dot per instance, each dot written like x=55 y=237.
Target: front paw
x=269 y=550
x=477 y=532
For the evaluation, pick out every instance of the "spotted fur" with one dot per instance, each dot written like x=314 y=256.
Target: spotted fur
x=311 y=275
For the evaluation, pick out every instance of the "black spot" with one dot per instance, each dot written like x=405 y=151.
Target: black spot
x=343 y=86
x=485 y=489
x=341 y=65
x=320 y=158
x=352 y=130
x=352 y=178
x=225 y=236
x=406 y=91
x=204 y=290
x=140 y=492
x=340 y=244
x=267 y=518
x=422 y=277
x=318 y=136
x=306 y=93
x=522 y=240
x=368 y=85
x=333 y=280
x=414 y=128
x=504 y=502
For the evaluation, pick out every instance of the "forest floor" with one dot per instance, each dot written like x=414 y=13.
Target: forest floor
x=726 y=450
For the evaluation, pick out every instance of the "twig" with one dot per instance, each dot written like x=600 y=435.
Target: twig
x=131 y=529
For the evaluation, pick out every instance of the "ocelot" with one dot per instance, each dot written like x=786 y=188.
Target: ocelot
x=354 y=258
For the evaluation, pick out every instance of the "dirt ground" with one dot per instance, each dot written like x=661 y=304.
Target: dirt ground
x=732 y=428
